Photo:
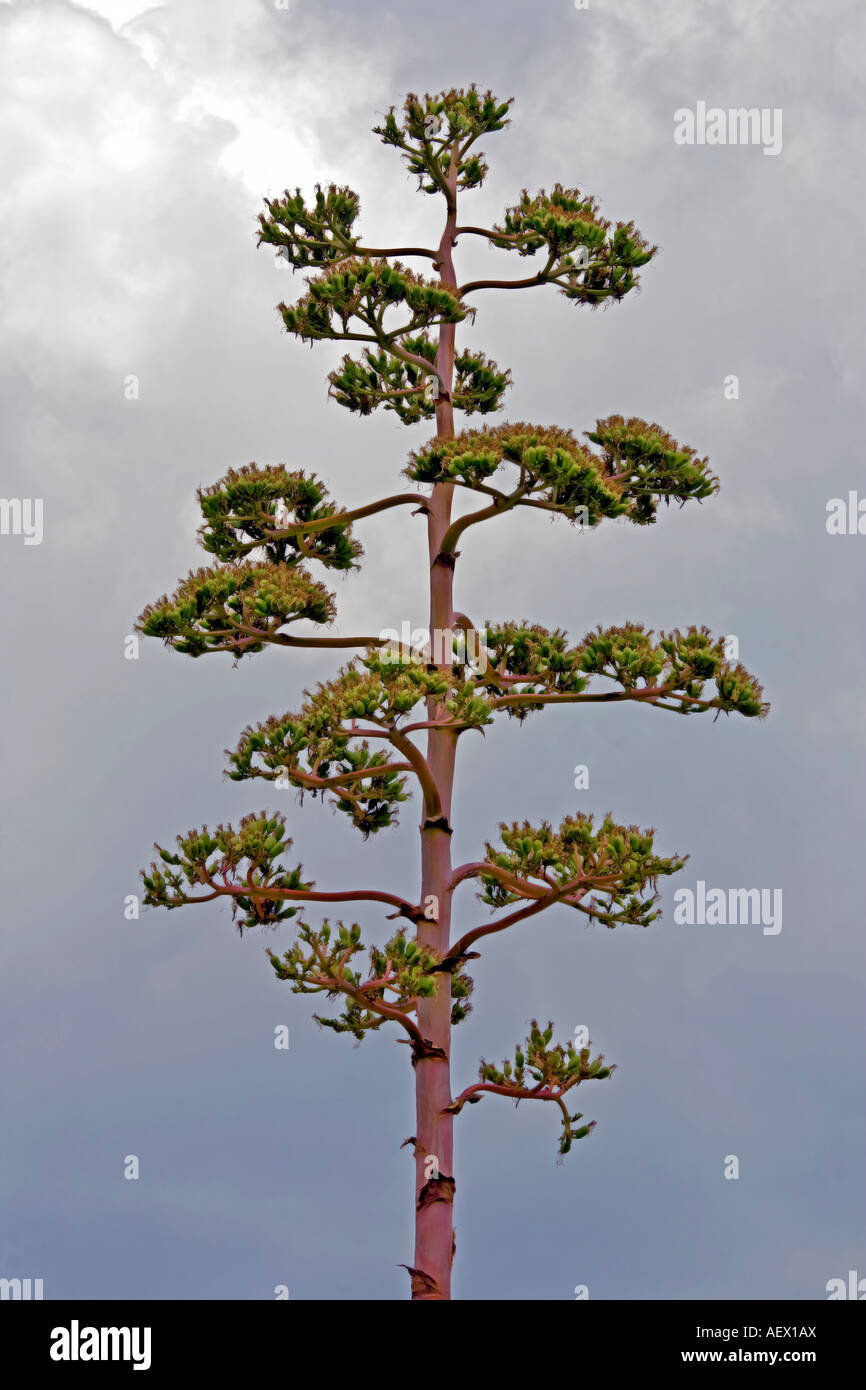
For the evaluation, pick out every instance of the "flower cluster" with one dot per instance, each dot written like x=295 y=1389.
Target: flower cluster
x=235 y=608
x=670 y=671
x=430 y=125
x=531 y=659
x=320 y=748
x=288 y=516
x=637 y=466
x=607 y=871
x=677 y=663
x=315 y=235
x=244 y=864
x=650 y=465
x=400 y=973
x=544 y=1070
x=565 y=221
x=364 y=290
x=404 y=387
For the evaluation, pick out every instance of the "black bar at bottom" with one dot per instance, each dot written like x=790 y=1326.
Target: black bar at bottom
x=68 y=1338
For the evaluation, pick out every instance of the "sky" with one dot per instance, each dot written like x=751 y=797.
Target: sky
x=137 y=145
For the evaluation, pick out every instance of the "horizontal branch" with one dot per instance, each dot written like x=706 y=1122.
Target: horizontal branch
x=650 y=693
x=343 y=986
x=528 y=283
x=514 y=1092
x=254 y=890
x=509 y=880
x=373 y=253
x=496 y=508
x=282 y=639
x=491 y=235
x=540 y=904
x=326 y=523
x=376 y=772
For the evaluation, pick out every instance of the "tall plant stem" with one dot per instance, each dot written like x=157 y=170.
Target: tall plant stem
x=434 y=1185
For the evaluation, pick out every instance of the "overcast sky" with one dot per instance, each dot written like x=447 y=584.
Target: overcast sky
x=137 y=144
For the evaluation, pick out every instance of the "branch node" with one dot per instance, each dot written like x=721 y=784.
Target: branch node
x=413 y=912
x=439 y=1189
x=424 y=1287
x=457 y=1105
x=422 y=1049
x=437 y=823
x=452 y=963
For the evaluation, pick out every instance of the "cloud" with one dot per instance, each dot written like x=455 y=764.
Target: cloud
x=130 y=147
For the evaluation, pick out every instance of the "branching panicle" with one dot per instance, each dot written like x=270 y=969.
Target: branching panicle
x=288 y=517
x=670 y=671
x=236 y=608
x=403 y=385
x=399 y=974
x=322 y=748
x=311 y=236
x=351 y=297
x=566 y=221
x=638 y=466
x=541 y=1070
x=609 y=871
x=244 y=864
x=677 y=664
x=430 y=126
